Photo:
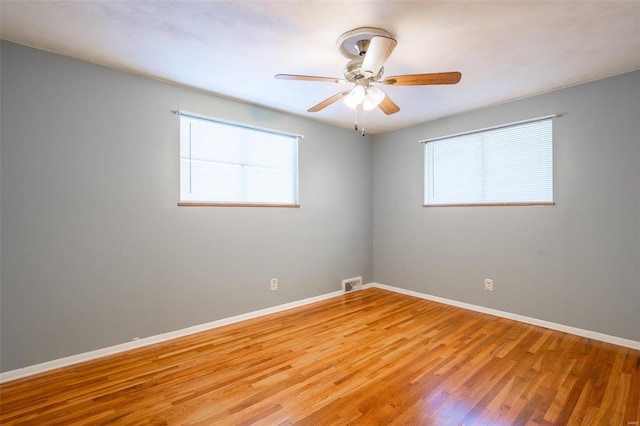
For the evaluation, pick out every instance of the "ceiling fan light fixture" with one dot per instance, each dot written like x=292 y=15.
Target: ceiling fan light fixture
x=376 y=95
x=355 y=97
x=373 y=98
x=368 y=104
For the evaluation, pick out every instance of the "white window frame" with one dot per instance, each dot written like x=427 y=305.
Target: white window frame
x=188 y=175
x=485 y=194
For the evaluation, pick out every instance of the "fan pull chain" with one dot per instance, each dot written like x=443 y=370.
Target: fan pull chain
x=356 y=123
x=359 y=109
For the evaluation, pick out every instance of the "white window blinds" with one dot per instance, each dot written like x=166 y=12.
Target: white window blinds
x=511 y=164
x=225 y=163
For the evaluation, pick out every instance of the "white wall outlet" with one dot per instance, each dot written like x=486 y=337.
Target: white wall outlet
x=488 y=284
x=274 y=284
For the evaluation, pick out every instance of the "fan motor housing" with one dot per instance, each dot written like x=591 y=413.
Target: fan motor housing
x=352 y=71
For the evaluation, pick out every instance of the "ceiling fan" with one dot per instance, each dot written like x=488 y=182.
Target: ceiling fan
x=367 y=49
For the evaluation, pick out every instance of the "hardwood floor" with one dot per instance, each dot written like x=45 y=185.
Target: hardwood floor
x=366 y=358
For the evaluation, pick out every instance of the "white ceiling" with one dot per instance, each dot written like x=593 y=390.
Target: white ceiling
x=505 y=50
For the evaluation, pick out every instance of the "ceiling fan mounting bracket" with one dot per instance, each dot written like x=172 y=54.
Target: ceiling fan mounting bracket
x=362 y=46
x=353 y=44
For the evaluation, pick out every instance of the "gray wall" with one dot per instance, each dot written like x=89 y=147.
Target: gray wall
x=576 y=263
x=95 y=250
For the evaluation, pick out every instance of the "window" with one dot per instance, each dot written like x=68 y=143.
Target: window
x=224 y=163
x=511 y=165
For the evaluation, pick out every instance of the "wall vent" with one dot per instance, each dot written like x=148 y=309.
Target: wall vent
x=352 y=284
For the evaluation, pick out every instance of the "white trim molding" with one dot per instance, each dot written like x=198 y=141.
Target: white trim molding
x=138 y=343
x=128 y=346
x=516 y=317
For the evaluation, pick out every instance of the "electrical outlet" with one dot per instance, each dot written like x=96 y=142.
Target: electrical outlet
x=488 y=284
x=274 y=284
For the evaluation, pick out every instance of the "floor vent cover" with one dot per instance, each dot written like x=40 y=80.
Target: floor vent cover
x=352 y=284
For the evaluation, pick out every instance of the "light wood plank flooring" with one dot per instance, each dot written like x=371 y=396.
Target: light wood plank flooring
x=368 y=358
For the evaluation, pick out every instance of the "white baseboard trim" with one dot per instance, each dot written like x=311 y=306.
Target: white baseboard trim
x=516 y=317
x=123 y=347
x=31 y=370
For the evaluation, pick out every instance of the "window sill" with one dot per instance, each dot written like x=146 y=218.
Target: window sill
x=491 y=204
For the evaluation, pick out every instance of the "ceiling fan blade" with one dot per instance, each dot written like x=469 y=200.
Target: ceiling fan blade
x=388 y=106
x=310 y=78
x=322 y=105
x=423 y=79
x=377 y=53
